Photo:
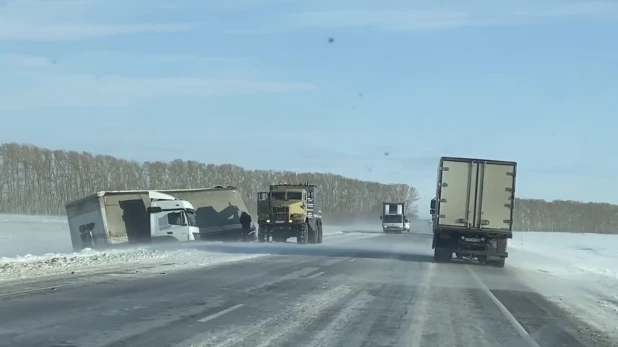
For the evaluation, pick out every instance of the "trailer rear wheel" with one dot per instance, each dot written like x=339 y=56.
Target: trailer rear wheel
x=442 y=255
x=499 y=263
x=313 y=234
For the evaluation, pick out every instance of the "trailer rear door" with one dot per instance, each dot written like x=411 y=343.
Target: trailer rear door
x=457 y=188
x=476 y=194
x=495 y=196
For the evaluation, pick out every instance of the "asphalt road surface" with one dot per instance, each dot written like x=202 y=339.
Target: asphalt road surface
x=373 y=291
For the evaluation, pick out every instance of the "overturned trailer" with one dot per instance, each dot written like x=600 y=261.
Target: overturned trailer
x=133 y=216
x=217 y=210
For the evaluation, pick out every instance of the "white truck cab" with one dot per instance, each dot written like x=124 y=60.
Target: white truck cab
x=171 y=218
x=393 y=217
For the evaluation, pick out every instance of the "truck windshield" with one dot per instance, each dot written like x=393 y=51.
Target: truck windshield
x=277 y=195
x=295 y=195
x=191 y=220
x=393 y=218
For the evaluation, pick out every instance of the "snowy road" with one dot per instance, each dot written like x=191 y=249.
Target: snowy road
x=365 y=290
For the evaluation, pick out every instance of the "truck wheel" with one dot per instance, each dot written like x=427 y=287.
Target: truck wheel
x=320 y=232
x=498 y=263
x=442 y=255
x=448 y=255
x=302 y=234
x=268 y=234
x=313 y=234
x=262 y=232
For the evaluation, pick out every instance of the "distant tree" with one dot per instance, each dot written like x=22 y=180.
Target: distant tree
x=36 y=180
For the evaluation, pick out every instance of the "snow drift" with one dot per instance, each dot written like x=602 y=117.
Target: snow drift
x=89 y=261
x=35 y=246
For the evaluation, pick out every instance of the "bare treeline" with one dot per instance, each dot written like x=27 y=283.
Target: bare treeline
x=36 y=180
x=565 y=216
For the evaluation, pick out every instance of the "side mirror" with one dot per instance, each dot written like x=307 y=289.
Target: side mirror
x=432 y=205
x=380 y=217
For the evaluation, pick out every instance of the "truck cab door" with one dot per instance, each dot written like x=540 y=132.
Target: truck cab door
x=169 y=225
x=263 y=206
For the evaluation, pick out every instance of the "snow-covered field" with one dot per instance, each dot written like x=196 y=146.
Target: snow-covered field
x=579 y=272
x=567 y=253
x=21 y=235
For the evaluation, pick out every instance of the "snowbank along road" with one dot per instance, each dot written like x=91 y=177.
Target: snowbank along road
x=365 y=289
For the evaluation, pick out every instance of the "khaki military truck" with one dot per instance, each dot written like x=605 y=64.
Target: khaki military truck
x=290 y=210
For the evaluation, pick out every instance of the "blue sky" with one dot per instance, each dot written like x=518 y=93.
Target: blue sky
x=256 y=83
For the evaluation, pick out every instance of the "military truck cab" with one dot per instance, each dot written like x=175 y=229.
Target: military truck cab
x=289 y=210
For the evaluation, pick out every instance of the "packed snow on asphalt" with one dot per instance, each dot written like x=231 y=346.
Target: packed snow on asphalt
x=578 y=272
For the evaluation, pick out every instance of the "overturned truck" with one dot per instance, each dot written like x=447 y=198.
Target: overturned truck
x=110 y=218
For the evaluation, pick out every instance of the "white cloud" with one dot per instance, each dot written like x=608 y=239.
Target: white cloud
x=57 y=20
x=421 y=15
x=22 y=60
x=112 y=91
x=78 y=31
x=49 y=20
